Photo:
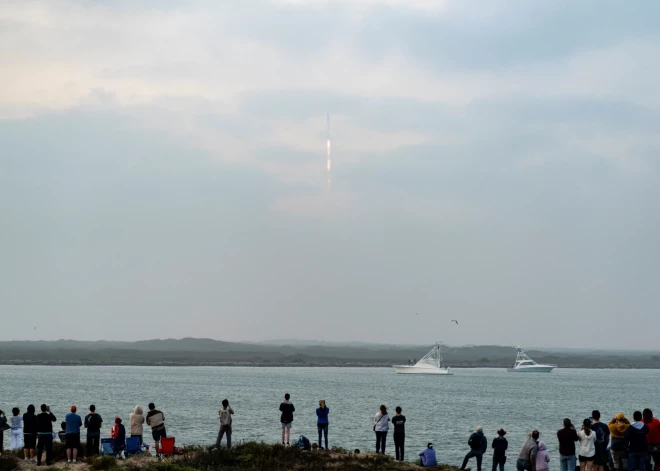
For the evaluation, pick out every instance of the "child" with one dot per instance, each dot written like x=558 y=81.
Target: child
x=16 y=422
x=542 y=458
x=62 y=433
x=118 y=433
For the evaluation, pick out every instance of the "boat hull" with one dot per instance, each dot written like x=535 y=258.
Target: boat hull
x=532 y=369
x=416 y=370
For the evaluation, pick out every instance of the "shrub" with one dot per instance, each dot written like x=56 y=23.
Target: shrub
x=103 y=463
x=8 y=463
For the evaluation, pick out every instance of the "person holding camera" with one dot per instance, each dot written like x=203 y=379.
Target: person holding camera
x=45 y=434
x=3 y=427
x=618 y=426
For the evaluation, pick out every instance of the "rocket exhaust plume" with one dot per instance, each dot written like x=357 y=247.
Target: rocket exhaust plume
x=329 y=158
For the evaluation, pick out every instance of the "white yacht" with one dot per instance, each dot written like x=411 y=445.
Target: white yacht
x=430 y=364
x=525 y=364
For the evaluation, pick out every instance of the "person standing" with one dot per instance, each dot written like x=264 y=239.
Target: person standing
x=567 y=438
x=527 y=456
x=653 y=438
x=602 y=432
x=16 y=424
x=500 y=445
x=587 y=446
x=381 y=426
x=118 y=434
x=73 y=424
x=399 y=422
x=29 y=434
x=478 y=445
x=286 y=418
x=427 y=457
x=3 y=426
x=156 y=420
x=542 y=458
x=135 y=421
x=636 y=443
x=322 y=422
x=93 y=424
x=225 y=416
x=618 y=426
x=45 y=434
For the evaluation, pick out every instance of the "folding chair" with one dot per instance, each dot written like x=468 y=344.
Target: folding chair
x=167 y=446
x=133 y=447
x=107 y=447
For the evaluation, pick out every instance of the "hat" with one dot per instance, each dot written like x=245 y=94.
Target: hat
x=74 y=408
x=501 y=432
x=117 y=420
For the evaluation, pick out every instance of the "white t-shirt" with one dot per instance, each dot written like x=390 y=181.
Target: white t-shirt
x=587 y=444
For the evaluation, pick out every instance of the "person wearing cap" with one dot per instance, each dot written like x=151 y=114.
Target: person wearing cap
x=427 y=456
x=478 y=446
x=118 y=434
x=73 y=424
x=500 y=445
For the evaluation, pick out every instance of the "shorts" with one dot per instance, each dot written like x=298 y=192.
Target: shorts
x=586 y=459
x=601 y=458
x=72 y=440
x=158 y=433
x=286 y=425
x=30 y=441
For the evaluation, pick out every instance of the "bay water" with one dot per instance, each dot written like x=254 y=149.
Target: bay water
x=440 y=409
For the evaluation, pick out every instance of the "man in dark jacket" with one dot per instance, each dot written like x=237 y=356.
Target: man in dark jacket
x=500 y=445
x=567 y=438
x=93 y=423
x=29 y=433
x=45 y=434
x=478 y=445
x=635 y=439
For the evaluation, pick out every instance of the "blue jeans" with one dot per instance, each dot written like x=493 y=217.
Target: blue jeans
x=567 y=463
x=473 y=453
x=636 y=461
x=524 y=465
x=323 y=430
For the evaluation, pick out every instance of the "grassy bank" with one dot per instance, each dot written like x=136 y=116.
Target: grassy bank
x=246 y=456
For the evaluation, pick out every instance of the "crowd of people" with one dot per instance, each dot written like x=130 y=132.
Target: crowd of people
x=619 y=445
x=33 y=433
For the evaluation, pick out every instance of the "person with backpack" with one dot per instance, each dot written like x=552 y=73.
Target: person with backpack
x=567 y=437
x=286 y=418
x=653 y=439
x=381 y=426
x=29 y=434
x=602 y=432
x=225 y=423
x=636 y=443
x=73 y=424
x=618 y=426
x=93 y=423
x=587 y=439
x=156 y=420
x=478 y=445
x=322 y=422
x=500 y=445
x=399 y=422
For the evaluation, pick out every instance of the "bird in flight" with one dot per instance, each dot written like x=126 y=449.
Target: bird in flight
x=454 y=320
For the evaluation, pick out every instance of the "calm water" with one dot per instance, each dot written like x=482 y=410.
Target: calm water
x=443 y=410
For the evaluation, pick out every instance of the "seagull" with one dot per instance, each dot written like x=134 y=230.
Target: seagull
x=454 y=320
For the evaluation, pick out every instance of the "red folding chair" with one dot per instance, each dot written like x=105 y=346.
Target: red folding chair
x=167 y=446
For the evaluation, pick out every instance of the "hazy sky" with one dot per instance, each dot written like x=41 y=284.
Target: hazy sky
x=162 y=171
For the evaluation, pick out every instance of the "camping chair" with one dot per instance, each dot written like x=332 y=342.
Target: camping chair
x=107 y=447
x=133 y=447
x=166 y=446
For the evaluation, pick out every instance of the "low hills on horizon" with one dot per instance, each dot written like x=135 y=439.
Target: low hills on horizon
x=210 y=352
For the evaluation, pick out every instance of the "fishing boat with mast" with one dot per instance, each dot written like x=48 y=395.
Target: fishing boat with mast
x=430 y=364
x=524 y=364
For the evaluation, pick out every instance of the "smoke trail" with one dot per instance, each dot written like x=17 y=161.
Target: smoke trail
x=329 y=158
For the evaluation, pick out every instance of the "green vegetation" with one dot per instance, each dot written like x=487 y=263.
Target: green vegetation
x=8 y=462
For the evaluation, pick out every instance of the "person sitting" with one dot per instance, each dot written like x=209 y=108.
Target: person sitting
x=62 y=433
x=427 y=456
x=118 y=434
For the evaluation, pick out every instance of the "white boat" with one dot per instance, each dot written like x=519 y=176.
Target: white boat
x=430 y=364
x=525 y=364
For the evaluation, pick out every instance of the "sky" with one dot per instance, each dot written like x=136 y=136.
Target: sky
x=163 y=171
